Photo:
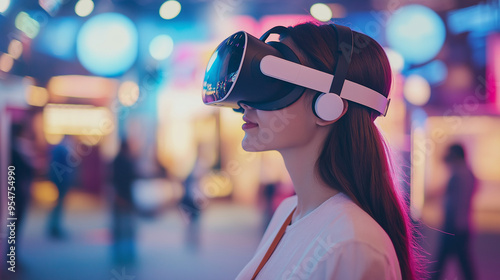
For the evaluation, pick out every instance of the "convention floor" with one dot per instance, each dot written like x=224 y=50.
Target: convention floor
x=228 y=236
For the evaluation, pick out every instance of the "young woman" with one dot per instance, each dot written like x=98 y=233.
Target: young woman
x=347 y=219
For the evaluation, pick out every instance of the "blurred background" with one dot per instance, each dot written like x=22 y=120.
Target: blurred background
x=121 y=172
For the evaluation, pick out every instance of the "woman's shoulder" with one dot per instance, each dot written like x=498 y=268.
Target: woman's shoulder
x=284 y=209
x=339 y=219
x=348 y=232
x=347 y=223
x=287 y=204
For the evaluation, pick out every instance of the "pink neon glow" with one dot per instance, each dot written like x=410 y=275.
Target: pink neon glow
x=492 y=70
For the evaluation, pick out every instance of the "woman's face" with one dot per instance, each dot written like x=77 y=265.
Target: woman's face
x=282 y=129
x=290 y=127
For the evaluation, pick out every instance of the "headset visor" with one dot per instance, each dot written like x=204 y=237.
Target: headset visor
x=223 y=68
x=233 y=76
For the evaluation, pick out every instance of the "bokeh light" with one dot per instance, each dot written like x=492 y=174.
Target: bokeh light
x=83 y=8
x=321 y=12
x=37 y=96
x=27 y=25
x=50 y=6
x=161 y=47
x=15 y=48
x=4 y=5
x=128 y=93
x=216 y=185
x=460 y=77
x=74 y=119
x=53 y=139
x=6 y=62
x=396 y=60
x=338 y=10
x=416 y=32
x=417 y=90
x=62 y=30
x=478 y=18
x=434 y=72
x=107 y=44
x=82 y=86
x=170 y=9
x=44 y=192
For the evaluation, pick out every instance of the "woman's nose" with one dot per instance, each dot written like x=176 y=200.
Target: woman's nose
x=246 y=107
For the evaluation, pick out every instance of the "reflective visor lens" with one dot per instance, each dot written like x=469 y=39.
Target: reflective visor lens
x=223 y=68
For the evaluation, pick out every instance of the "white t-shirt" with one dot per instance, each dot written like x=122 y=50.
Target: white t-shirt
x=337 y=240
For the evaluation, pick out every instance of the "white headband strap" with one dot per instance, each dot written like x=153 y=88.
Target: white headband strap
x=307 y=77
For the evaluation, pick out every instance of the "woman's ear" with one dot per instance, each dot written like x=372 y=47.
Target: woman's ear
x=322 y=122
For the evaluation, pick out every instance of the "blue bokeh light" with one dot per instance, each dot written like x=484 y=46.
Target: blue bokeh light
x=478 y=18
x=418 y=117
x=435 y=72
x=367 y=23
x=416 y=32
x=58 y=37
x=107 y=44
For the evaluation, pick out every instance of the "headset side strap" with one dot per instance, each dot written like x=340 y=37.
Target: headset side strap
x=307 y=77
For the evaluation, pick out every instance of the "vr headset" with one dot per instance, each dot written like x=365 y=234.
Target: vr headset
x=269 y=76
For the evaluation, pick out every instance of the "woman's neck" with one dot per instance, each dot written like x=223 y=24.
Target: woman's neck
x=310 y=189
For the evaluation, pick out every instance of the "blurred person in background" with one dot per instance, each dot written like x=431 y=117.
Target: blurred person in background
x=458 y=203
x=191 y=203
x=62 y=171
x=124 y=174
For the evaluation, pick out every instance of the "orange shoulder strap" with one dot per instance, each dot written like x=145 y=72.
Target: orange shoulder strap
x=274 y=244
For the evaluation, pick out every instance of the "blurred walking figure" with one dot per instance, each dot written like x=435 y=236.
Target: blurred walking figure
x=123 y=175
x=61 y=173
x=192 y=210
x=191 y=203
x=458 y=200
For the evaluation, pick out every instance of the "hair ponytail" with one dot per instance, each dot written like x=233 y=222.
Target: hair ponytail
x=355 y=159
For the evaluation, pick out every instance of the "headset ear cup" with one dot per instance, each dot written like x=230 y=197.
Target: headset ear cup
x=328 y=106
x=314 y=103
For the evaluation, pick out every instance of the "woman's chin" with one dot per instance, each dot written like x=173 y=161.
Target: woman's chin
x=251 y=144
x=248 y=147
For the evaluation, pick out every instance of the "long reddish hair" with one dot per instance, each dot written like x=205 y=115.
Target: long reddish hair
x=355 y=158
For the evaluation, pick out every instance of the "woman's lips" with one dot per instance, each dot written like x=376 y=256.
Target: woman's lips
x=248 y=124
